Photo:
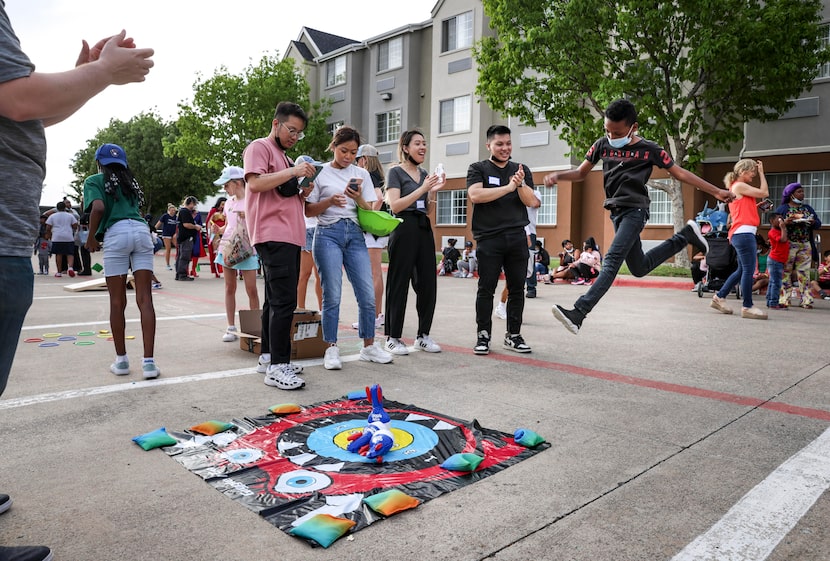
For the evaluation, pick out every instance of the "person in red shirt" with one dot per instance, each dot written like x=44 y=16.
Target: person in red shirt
x=778 y=254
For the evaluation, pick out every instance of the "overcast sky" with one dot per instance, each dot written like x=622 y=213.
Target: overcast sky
x=189 y=37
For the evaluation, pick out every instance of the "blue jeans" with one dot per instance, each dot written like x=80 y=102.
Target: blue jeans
x=337 y=246
x=747 y=249
x=775 y=270
x=17 y=279
x=626 y=246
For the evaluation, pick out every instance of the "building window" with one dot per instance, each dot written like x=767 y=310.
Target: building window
x=389 y=126
x=824 y=36
x=336 y=71
x=390 y=54
x=331 y=128
x=547 y=212
x=455 y=114
x=457 y=32
x=816 y=190
x=452 y=207
x=659 y=211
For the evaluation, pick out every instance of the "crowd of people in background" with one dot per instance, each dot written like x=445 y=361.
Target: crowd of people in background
x=300 y=220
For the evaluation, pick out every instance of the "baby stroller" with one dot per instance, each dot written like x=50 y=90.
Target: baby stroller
x=722 y=261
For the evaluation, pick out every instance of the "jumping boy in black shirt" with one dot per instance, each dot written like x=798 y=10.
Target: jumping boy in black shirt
x=627 y=163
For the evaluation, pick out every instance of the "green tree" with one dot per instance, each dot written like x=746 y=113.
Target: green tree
x=228 y=111
x=695 y=69
x=162 y=178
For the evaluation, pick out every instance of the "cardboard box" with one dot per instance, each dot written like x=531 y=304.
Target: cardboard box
x=306 y=333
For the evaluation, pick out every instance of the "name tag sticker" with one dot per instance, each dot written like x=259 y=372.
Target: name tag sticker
x=420 y=203
x=493 y=180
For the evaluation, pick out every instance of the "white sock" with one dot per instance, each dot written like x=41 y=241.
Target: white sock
x=119 y=358
x=149 y=360
x=265 y=358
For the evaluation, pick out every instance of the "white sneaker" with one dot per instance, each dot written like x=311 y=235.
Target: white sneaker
x=332 y=359
x=149 y=370
x=501 y=311
x=395 y=346
x=230 y=334
x=355 y=325
x=263 y=363
x=425 y=343
x=469 y=275
x=373 y=353
x=120 y=368
x=379 y=321
x=282 y=376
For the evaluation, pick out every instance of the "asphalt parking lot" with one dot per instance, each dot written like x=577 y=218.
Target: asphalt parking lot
x=676 y=432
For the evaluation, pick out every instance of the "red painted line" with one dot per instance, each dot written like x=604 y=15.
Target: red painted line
x=745 y=401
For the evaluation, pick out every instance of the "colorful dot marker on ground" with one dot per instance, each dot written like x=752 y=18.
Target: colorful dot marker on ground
x=86 y=333
x=33 y=340
x=52 y=335
x=103 y=331
x=67 y=338
x=130 y=337
x=84 y=343
x=104 y=336
x=51 y=344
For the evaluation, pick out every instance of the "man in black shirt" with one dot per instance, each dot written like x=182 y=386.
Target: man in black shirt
x=188 y=230
x=500 y=191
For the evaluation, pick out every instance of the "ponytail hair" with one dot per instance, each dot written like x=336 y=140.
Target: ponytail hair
x=742 y=166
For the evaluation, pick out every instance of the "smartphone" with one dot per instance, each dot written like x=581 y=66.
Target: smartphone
x=354 y=183
x=764 y=205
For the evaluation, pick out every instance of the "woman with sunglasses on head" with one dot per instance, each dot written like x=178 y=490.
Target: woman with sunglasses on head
x=339 y=243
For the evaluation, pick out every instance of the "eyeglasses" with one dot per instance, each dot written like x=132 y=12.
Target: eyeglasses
x=299 y=135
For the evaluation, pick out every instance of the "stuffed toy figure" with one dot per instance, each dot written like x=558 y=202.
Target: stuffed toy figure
x=376 y=439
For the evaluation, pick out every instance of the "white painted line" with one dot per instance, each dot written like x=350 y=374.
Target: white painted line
x=68 y=297
x=107 y=321
x=752 y=529
x=128 y=386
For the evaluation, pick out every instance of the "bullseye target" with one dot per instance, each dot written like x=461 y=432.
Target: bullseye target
x=287 y=468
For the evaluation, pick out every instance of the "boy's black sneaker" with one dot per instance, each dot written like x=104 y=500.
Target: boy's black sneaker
x=26 y=553
x=5 y=503
x=691 y=231
x=483 y=344
x=571 y=319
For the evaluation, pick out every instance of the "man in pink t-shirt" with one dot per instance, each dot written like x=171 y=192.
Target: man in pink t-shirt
x=276 y=224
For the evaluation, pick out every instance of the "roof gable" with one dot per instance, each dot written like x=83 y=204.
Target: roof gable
x=326 y=42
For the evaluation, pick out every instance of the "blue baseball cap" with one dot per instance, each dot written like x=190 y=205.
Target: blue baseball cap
x=111 y=154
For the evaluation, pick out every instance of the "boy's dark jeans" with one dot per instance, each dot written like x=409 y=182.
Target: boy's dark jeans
x=626 y=246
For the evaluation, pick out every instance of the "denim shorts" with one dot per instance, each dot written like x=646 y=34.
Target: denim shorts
x=309 y=239
x=250 y=264
x=373 y=242
x=127 y=245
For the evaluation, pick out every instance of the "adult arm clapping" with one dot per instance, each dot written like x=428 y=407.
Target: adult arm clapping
x=52 y=97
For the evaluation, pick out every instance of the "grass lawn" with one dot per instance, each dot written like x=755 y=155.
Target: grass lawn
x=660 y=271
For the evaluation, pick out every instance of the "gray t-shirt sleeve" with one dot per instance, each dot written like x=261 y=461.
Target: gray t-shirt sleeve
x=22 y=156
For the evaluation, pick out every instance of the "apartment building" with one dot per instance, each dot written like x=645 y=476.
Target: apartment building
x=423 y=75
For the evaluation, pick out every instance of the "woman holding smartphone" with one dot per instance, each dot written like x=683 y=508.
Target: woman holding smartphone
x=339 y=243
x=411 y=245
